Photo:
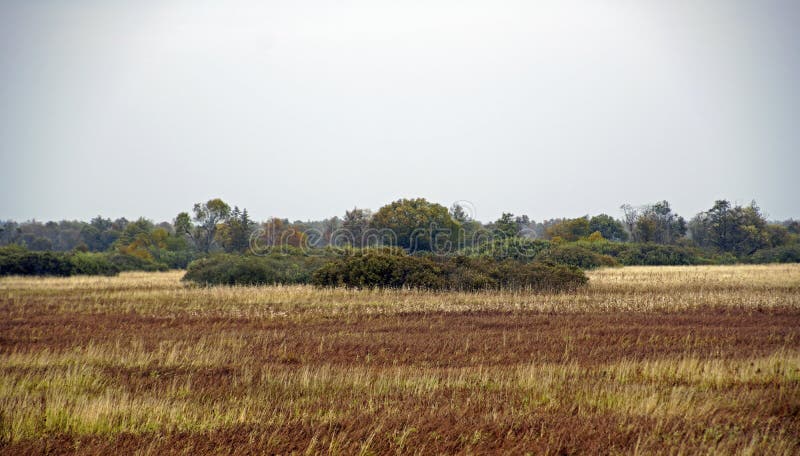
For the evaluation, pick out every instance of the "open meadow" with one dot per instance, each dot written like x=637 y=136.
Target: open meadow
x=694 y=359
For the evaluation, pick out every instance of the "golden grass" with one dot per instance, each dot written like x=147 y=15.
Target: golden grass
x=629 y=289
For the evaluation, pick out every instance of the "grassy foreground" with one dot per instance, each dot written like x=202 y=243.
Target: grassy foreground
x=642 y=360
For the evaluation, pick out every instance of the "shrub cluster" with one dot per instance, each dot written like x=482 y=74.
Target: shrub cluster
x=470 y=275
x=88 y=263
x=660 y=255
x=382 y=268
x=15 y=260
x=575 y=255
x=134 y=263
x=782 y=254
x=511 y=248
x=177 y=259
x=651 y=254
x=228 y=269
x=593 y=254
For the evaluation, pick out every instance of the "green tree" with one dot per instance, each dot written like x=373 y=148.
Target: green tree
x=458 y=213
x=570 y=229
x=278 y=233
x=9 y=232
x=138 y=239
x=655 y=223
x=506 y=226
x=207 y=217
x=736 y=229
x=354 y=225
x=234 y=233
x=183 y=224
x=471 y=230
x=778 y=235
x=99 y=235
x=609 y=227
x=41 y=244
x=91 y=236
x=417 y=225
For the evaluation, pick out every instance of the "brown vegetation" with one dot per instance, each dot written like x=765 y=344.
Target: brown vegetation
x=647 y=360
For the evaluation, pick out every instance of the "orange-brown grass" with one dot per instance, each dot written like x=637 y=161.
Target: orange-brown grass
x=643 y=360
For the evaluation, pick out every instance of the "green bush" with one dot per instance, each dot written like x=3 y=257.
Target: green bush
x=605 y=247
x=380 y=268
x=540 y=276
x=514 y=248
x=15 y=260
x=782 y=254
x=471 y=274
x=723 y=258
x=375 y=268
x=174 y=259
x=575 y=255
x=227 y=269
x=651 y=254
x=92 y=264
x=35 y=263
x=133 y=263
x=660 y=255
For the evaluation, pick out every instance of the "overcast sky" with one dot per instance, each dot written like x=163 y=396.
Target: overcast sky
x=302 y=109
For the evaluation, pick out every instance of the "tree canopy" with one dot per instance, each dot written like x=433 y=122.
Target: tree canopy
x=417 y=224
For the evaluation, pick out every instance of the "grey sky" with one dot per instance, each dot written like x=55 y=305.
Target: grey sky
x=303 y=109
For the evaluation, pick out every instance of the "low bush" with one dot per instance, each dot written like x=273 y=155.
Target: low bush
x=515 y=248
x=649 y=254
x=376 y=268
x=782 y=254
x=605 y=247
x=575 y=255
x=35 y=263
x=227 y=269
x=380 y=268
x=659 y=255
x=126 y=262
x=15 y=260
x=92 y=264
x=177 y=259
x=592 y=254
x=469 y=274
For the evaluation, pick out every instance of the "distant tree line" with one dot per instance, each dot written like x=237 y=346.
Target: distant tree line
x=647 y=234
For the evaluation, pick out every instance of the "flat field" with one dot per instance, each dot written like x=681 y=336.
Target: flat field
x=643 y=360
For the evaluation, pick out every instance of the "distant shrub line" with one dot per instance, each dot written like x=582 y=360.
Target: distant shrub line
x=587 y=254
x=18 y=261
x=229 y=269
x=515 y=263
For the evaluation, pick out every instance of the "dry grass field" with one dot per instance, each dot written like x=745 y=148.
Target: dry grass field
x=677 y=360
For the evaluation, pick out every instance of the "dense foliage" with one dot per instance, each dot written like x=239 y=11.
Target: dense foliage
x=577 y=256
x=652 y=254
x=513 y=248
x=19 y=261
x=416 y=225
x=782 y=254
x=126 y=262
x=277 y=268
x=390 y=268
